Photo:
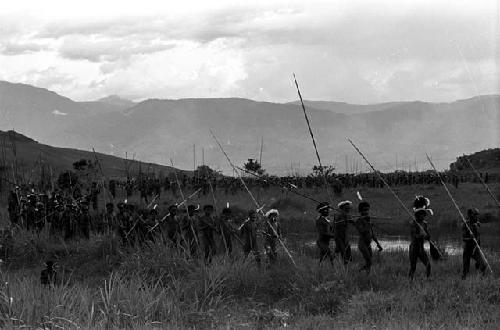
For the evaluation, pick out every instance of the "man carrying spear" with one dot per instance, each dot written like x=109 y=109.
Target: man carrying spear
x=419 y=233
x=366 y=236
x=272 y=233
x=342 y=218
x=249 y=234
x=325 y=232
x=227 y=229
x=206 y=226
x=470 y=230
x=188 y=227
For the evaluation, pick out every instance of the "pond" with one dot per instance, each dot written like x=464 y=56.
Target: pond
x=449 y=239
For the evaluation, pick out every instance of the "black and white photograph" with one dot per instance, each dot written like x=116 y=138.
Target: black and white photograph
x=237 y=164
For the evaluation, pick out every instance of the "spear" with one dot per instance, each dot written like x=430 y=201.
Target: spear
x=459 y=212
x=259 y=208
x=313 y=140
x=482 y=182
x=431 y=243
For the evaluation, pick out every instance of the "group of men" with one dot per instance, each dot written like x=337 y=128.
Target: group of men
x=66 y=215
x=187 y=228
x=195 y=233
x=203 y=232
x=336 y=228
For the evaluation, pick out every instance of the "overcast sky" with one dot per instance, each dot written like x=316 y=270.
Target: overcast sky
x=352 y=51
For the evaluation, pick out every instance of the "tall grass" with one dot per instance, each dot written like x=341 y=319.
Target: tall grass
x=156 y=287
x=105 y=286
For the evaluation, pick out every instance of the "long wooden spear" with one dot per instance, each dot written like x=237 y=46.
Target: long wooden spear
x=313 y=141
x=259 y=208
x=431 y=243
x=459 y=212
x=482 y=182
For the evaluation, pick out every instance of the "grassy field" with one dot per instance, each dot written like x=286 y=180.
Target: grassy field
x=104 y=286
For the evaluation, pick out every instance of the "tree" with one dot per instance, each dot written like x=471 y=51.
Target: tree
x=252 y=165
x=203 y=171
x=325 y=170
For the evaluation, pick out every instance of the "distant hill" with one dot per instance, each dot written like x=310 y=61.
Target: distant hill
x=346 y=108
x=30 y=153
x=393 y=135
x=483 y=161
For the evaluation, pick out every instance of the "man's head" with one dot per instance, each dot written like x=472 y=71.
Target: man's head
x=421 y=207
x=226 y=212
x=272 y=214
x=323 y=208
x=120 y=206
x=208 y=209
x=172 y=209
x=252 y=215
x=364 y=208
x=345 y=206
x=109 y=207
x=192 y=209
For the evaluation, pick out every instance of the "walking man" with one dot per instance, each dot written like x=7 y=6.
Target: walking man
x=340 y=227
x=325 y=232
x=272 y=234
x=471 y=249
x=419 y=233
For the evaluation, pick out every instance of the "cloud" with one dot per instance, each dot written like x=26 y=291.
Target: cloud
x=107 y=49
x=11 y=48
x=359 y=51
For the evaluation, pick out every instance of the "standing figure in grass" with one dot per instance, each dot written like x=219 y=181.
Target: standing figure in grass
x=48 y=276
x=172 y=226
x=366 y=236
x=325 y=232
x=84 y=220
x=188 y=227
x=206 y=226
x=419 y=233
x=108 y=219
x=123 y=222
x=272 y=234
x=227 y=230
x=13 y=208
x=342 y=218
x=249 y=233
x=69 y=221
x=470 y=231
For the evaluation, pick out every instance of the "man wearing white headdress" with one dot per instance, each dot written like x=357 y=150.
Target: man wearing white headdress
x=342 y=218
x=272 y=233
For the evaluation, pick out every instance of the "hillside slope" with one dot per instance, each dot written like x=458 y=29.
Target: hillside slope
x=29 y=154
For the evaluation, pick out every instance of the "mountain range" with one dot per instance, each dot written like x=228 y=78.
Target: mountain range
x=393 y=135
